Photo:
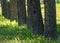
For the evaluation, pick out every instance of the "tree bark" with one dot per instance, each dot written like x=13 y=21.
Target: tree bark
x=35 y=17
x=5 y=8
x=8 y=10
x=13 y=8
x=21 y=7
x=50 y=19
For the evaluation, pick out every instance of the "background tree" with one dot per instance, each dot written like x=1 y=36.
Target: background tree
x=35 y=17
x=8 y=9
x=21 y=8
x=13 y=8
x=50 y=19
x=5 y=8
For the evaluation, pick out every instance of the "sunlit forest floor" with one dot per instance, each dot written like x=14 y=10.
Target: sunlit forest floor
x=10 y=32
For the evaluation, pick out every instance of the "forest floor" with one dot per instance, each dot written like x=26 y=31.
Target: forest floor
x=10 y=32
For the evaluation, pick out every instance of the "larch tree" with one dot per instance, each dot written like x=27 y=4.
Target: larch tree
x=35 y=20
x=50 y=19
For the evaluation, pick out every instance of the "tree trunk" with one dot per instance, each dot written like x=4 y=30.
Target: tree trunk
x=5 y=8
x=13 y=7
x=8 y=10
x=21 y=7
x=50 y=19
x=35 y=17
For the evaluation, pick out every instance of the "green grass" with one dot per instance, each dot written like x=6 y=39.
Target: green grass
x=10 y=32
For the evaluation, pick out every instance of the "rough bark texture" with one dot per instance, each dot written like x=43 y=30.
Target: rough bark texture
x=50 y=19
x=35 y=17
x=21 y=7
x=13 y=7
x=5 y=9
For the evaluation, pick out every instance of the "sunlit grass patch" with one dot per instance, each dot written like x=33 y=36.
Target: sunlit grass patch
x=7 y=22
x=58 y=22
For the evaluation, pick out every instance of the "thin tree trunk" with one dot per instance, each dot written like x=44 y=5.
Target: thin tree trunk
x=21 y=7
x=35 y=17
x=50 y=19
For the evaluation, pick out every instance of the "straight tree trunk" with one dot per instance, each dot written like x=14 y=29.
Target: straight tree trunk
x=21 y=7
x=35 y=17
x=8 y=10
x=50 y=19
x=13 y=8
x=5 y=9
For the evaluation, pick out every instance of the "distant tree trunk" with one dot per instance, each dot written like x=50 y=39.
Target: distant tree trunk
x=35 y=17
x=50 y=19
x=5 y=8
x=21 y=7
x=8 y=10
x=13 y=7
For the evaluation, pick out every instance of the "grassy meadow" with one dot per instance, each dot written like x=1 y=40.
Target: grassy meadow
x=10 y=32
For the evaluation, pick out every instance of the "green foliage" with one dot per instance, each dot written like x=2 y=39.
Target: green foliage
x=58 y=1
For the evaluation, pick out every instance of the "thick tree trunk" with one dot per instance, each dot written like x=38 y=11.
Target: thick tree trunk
x=5 y=8
x=13 y=7
x=35 y=17
x=21 y=7
x=50 y=19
